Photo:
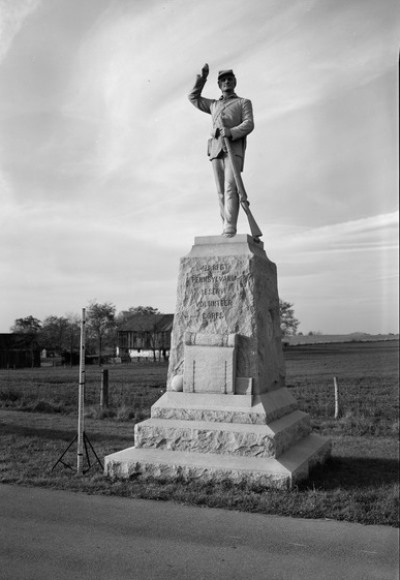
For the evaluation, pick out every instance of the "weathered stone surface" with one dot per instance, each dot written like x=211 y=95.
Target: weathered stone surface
x=229 y=286
x=290 y=468
x=210 y=363
x=243 y=386
x=290 y=429
x=259 y=410
x=203 y=437
x=274 y=404
x=200 y=467
x=223 y=438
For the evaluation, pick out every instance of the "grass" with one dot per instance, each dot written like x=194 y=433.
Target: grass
x=359 y=483
x=134 y=385
x=367 y=376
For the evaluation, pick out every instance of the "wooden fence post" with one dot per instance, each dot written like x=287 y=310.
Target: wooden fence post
x=104 y=389
x=337 y=410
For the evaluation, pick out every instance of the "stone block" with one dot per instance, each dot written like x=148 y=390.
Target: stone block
x=281 y=473
x=247 y=409
x=210 y=363
x=244 y=386
x=223 y=438
x=229 y=286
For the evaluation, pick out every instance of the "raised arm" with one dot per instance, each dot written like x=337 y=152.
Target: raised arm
x=195 y=95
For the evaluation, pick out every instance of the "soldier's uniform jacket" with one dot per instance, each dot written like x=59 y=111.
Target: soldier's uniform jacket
x=235 y=113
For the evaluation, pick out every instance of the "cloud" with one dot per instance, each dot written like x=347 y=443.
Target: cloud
x=341 y=277
x=343 y=249
x=333 y=48
x=366 y=234
x=66 y=259
x=13 y=14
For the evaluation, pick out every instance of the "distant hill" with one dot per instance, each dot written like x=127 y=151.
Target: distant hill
x=326 y=338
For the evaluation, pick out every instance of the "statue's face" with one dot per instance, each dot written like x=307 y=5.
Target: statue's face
x=227 y=83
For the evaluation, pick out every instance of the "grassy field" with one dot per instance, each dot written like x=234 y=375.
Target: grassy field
x=367 y=375
x=55 y=389
x=360 y=483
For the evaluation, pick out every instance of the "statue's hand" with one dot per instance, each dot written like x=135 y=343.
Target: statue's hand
x=226 y=132
x=204 y=72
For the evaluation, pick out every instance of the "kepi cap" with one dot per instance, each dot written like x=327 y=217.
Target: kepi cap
x=223 y=73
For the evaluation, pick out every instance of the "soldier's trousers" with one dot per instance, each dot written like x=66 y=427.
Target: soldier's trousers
x=228 y=195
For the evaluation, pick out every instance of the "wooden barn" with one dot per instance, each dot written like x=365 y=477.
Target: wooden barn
x=145 y=332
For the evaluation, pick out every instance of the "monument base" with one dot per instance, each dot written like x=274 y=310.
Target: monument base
x=226 y=413
x=263 y=440
x=280 y=473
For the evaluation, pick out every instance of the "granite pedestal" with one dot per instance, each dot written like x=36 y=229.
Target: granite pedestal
x=226 y=413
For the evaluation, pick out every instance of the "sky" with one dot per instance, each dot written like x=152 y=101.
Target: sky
x=104 y=178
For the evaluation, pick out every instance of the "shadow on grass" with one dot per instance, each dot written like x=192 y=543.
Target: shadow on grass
x=352 y=472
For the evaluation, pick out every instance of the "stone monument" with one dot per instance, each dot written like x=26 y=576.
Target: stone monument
x=226 y=414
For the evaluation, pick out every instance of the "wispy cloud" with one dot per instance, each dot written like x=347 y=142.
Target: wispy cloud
x=13 y=13
x=333 y=49
x=366 y=234
x=345 y=249
x=342 y=274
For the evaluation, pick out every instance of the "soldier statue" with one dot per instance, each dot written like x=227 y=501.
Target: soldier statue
x=232 y=121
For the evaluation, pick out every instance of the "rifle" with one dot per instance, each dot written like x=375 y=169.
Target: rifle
x=244 y=202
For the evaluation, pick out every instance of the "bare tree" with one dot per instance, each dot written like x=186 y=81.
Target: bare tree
x=101 y=323
x=289 y=322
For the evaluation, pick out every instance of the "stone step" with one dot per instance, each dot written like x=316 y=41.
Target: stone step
x=258 y=409
x=290 y=468
x=223 y=438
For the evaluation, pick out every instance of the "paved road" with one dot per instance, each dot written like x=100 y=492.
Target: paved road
x=55 y=535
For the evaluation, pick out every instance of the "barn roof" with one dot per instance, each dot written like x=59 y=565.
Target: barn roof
x=15 y=340
x=148 y=323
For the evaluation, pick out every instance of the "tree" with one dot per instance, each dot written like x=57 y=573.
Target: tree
x=29 y=325
x=61 y=334
x=153 y=331
x=289 y=322
x=101 y=323
x=54 y=332
x=125 y=315
x=72 y=339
